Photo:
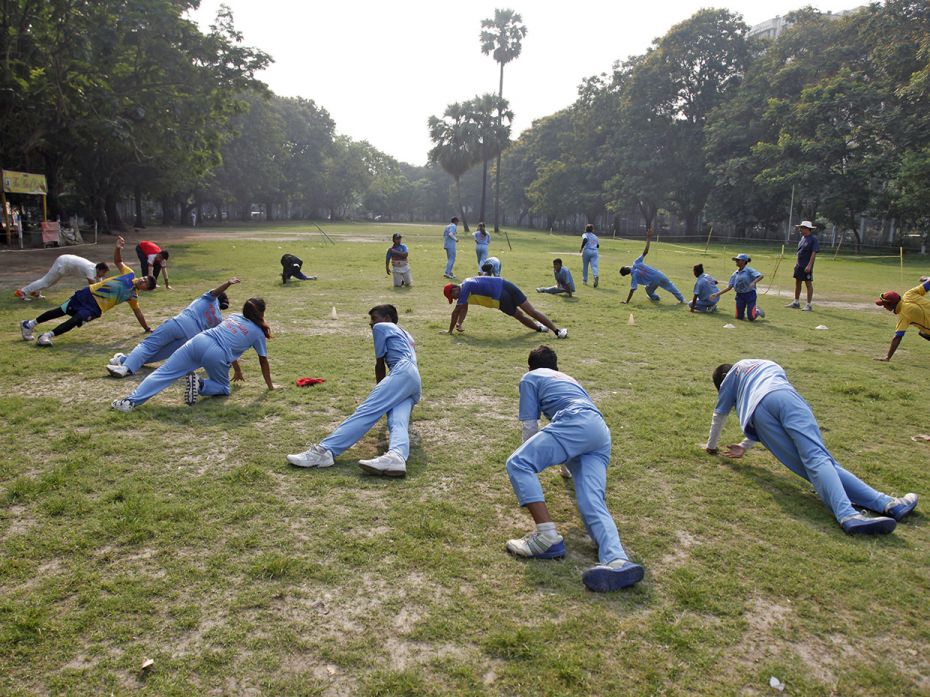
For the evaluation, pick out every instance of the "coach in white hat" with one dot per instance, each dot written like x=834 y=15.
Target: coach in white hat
x=808 y=246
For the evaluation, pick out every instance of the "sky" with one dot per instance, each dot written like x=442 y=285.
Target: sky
x=381 y=69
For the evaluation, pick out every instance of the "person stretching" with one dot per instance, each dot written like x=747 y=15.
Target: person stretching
x=394 y=395
x=154 y=257
x=912 y=309
x=563 y=280
x=493 y=291
x=640 y=274
x=65 y=265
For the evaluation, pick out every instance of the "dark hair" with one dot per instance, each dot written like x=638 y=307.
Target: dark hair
x=624 y=270
x=557 y=261
x=396 y=236
x=102 y=266
x=698 y=269
x=254 y=310
x=455 y=220
x=589 y=228
x=720 y=372
x=151 y=282
x=164 y=254
x=543 y=357
x=223 y=300
x=384 y=311
x=481 y=224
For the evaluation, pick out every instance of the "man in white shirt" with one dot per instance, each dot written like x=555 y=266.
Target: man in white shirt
x=65 y=265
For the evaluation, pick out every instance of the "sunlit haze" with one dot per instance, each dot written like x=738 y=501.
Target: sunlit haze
x=381 y=69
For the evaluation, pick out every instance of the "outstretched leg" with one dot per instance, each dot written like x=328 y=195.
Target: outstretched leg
x=535 y=314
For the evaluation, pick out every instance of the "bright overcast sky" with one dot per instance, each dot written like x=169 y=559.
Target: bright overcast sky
x=382 y=68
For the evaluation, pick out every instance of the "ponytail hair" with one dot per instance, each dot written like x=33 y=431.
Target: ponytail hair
x=254 y=311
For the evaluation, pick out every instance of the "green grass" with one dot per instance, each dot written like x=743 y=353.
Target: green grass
x=179 y=534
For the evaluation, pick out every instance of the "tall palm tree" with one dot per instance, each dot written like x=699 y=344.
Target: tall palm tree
x=455 y=142
x=491 y=120
x=502 y=37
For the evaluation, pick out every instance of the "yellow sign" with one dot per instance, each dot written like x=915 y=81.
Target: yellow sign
x=24 y=183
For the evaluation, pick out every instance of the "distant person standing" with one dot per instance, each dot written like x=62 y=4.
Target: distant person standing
x=396 y=262
x=291 y=267
x=648 y=276
x=65 y=265
x=808 y=246
x=482 y=240
x=154 y=257
x=564 y=283
x=449 y=240
x=590 y=254
x=704 y=288
x=491 y=267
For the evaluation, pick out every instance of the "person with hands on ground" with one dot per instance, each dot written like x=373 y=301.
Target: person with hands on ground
x=641 y=274
x=578 y=436
x=394 y=395
x=64 y=265
x=202 y=314
x=912 y=309
x=91 y=302
x=498 y=293
x=771 y=412
x=743 y=281
x=564 y=283
x=154 y=257
x=215 y=350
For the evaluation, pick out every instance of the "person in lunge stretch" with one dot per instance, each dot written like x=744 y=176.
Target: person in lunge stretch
x=772 y=412
x=202 y=314
x=91 y=302
x=912 y=309
x=640 y=274
x=495 y=292
x=291 y=268
x=394 y=395
x=577 y=436
x=65 y=265
x=215 y=350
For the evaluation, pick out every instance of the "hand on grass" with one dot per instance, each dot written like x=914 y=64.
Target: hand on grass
x=735 y=451
x=883 y=359
x=709 y=451
x=238 y=377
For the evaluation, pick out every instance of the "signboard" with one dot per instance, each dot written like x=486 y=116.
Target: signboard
x=24 y=183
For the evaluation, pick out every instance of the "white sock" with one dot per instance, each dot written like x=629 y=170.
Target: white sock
x=547 y=530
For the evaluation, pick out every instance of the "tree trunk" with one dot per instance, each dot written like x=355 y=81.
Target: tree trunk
x=137 y=195
x=484 y=189
x=167 y=214
x=99 y=213
x=458 y=195
x=112 y=211
x=497 y=164
x=269 y=207
x=51 y=176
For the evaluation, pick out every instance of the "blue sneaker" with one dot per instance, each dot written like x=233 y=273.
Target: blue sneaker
x=618 y=574
x=900 y=507
x=537 y=546
x=859 y=524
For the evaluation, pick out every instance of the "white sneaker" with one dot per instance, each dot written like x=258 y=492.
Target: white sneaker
x=117 y=359
x=123 y=405
x=191 y=389
x=390 y=464
x=26 y=327
x=759 y=313
x=542 y=328
x=535 y=545
x=45 y=339
x=315 y=456
x=794 y=304
x=118 y=371
x=807 y=308
x=565 y=472
x=540 y=290
x=562 y=333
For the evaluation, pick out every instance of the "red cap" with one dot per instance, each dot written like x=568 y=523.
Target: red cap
x=889 y=296
x=447 y=291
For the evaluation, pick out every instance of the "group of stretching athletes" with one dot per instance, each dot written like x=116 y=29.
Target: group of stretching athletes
x=577 y=438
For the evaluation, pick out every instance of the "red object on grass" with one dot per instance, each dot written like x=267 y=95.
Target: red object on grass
x=307 y=382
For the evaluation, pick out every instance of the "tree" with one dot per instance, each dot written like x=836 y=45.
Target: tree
x=491 y=120
x=502 y=37
x=455 y=144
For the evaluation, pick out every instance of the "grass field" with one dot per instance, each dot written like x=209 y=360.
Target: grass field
x=179 y=534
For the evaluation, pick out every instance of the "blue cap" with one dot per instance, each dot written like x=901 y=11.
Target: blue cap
x=742 y=257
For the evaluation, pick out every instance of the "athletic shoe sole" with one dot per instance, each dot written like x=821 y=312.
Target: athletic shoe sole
x=190 y=390
x=602 y=579
x=383 y=473
x=873 y=526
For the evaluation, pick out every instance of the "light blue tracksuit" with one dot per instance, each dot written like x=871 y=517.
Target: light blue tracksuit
x=448 y=243
x=482 y=240
x=704 y=287
x=772 y=412
x=642 y=274
x=202 y=314
x=395 y=395
x=214 y=350
x=577 y=436
x=590 y=255
x=564 y=282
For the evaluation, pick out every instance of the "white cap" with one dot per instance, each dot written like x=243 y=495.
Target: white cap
x=806 y=223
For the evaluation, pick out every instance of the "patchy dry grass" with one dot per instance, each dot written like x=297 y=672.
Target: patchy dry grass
x=179 y=534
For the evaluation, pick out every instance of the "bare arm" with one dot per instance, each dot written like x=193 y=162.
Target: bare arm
x=137 y=311
x=237 y=372
x=458 y=317
x=118 y=252
x=721 y=292
x=756 y=280
x=648 y=241
x=164 y=273
x=266 y=373
x=892 y=348
x=627 y=301
x=694 y=302
x=810 y=264
x=222 y=288
x=380 y=370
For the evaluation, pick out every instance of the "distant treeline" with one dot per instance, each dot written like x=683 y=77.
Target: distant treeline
x=130 y=102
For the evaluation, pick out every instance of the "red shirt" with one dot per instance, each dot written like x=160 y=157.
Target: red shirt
x=149 y=248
